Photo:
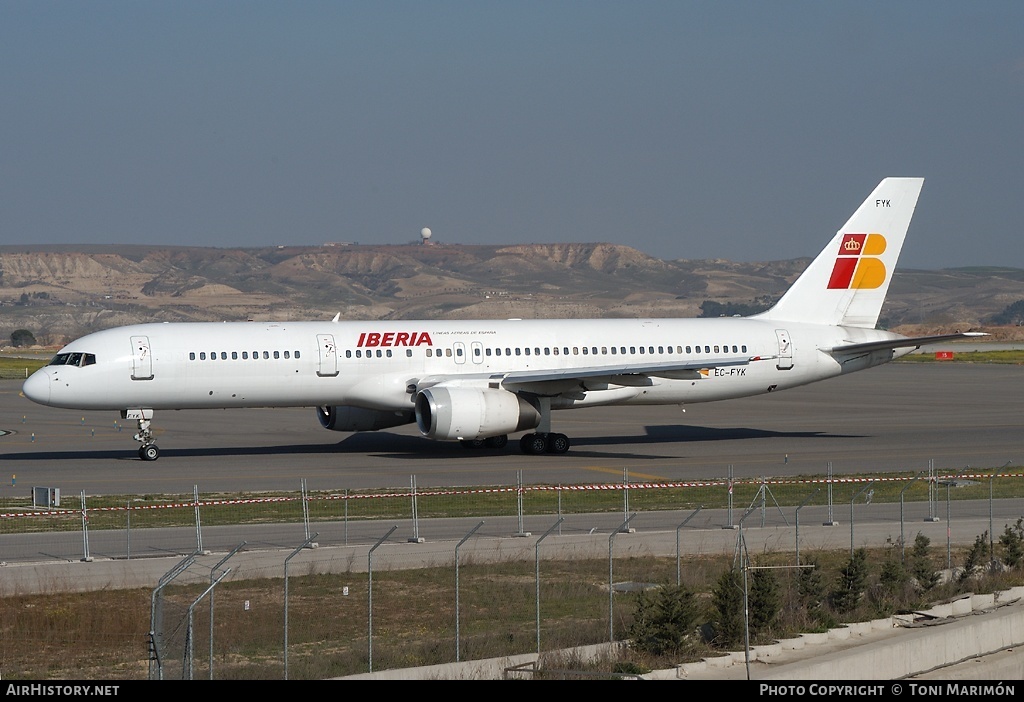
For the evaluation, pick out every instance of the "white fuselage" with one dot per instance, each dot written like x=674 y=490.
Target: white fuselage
x=381 y=365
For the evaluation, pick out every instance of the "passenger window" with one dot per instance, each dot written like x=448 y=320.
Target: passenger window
x=408 y=353
x=458 y=352
x=192 y=356
x=223 y=355
x=585 y=351
x=348 y=353
x=245 y=355
x=388 y=354
x=518 y=351
x=378 y=353
x=575 y=350
x=497 y=352
x=287 y=354
x=277 y=354
x=527 y=350
x=613 y=350
x=266 y=355
x=555 y=350
x=744 y=348
x=448 y=353
x=234 y=355
x=641 y=349
x=296 y=354
x=632 y=349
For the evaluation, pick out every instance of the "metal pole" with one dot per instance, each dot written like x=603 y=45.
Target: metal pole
x=741 y=552
x=730 y=483
x=678 y=529
x=369 y=591
x=862 y=491
x=459 y=545
x=199 y=527
x=222 y=561
x=831 y=519
x=806 y=499
x=290 y=556
x=611 y=589
x=85 y=532
x=415 y=512
x=305 y=507
x=536 y=549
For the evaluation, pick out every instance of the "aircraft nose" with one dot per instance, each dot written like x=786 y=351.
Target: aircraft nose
x=37 y=387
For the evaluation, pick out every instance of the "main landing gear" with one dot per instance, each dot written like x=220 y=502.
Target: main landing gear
x=538 y=443
x=532 y=444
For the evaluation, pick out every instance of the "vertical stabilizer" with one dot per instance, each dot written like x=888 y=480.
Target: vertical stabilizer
x=847 y=283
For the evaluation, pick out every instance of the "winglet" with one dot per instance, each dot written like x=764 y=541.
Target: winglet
x=847 y=283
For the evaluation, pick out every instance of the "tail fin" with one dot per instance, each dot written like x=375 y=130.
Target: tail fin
x=847 y=283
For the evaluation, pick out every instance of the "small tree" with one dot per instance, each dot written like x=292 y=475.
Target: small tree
x=727 y=599
x=852 y=582
x=664 y=620
x=1012 y=542
x=22 y=337
x=921 y=565
x=975 y=557
x=765 y=601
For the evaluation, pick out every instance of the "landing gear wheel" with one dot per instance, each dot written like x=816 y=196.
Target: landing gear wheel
x=149 y=452
x=496 y=442
x=534 y=444
x=558 y=443
x=472 y=443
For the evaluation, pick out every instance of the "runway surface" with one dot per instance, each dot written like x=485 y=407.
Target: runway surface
x=892 y=418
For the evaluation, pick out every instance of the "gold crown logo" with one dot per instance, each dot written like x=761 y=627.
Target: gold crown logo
x=852 y=245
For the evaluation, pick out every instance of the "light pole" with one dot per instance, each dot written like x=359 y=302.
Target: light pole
x=797 y=520
x=862 y=491
x=949 y=527
x=903 y=539
x=991 y=532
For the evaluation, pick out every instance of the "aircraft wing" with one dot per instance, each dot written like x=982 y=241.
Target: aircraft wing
x=555 y=381
x=900 y=343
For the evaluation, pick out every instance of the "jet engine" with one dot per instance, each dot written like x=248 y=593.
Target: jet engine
x=347 y=418
x=448 y=413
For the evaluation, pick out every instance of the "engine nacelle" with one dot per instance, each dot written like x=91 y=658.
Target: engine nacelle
x=347 y=418
x=472 y=413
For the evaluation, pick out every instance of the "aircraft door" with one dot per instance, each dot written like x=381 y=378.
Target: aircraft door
x=327 y=356
x=785 y=360
x=477 y=352
x=142 y=358
x=460 y=352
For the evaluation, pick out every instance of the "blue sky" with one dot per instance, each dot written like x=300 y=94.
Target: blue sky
x=740 y=130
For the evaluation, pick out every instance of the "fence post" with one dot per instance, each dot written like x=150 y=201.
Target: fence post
x=85 y=532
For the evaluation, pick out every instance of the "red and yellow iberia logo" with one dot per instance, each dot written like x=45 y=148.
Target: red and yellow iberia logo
x=857 y=267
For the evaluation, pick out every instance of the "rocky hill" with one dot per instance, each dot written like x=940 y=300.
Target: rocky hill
x=59 y=293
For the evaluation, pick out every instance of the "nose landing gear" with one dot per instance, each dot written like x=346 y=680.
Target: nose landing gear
x=144 y=417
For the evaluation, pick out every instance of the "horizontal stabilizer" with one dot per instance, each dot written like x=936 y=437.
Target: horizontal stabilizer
x=900 y=343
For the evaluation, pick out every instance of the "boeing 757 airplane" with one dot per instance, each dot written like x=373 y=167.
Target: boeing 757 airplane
x=479 y=381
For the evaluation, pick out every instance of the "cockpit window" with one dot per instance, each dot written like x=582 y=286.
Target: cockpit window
x=75 y=358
